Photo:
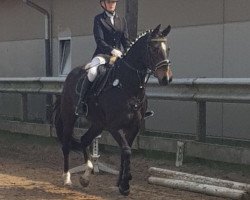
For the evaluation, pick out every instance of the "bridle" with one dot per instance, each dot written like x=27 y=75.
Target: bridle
x=144 y=74
x=148 y=72
x=160 y=64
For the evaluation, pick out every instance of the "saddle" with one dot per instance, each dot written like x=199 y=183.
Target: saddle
x=100 y=81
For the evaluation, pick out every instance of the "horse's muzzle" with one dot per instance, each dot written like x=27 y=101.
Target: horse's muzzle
x=165 y=80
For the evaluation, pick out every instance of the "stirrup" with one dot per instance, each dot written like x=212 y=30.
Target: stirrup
x=149 y=114
x=81 y=109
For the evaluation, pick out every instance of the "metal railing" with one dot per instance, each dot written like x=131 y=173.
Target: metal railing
x=200 y=90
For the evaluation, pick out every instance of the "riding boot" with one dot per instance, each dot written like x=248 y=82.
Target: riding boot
x=81 y=107
x=149 y=114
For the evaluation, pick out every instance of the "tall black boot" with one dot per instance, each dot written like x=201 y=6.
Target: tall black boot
x=81 y=107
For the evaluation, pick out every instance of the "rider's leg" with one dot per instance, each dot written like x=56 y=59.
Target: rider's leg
x=92 y=70
x=81 y=107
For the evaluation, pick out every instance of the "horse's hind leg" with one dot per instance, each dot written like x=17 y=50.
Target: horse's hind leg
x=67 y=133
x=86 y=140
x=61 y=131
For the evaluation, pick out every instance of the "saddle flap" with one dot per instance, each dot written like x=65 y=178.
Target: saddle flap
x=99 y=83
x=101 y=79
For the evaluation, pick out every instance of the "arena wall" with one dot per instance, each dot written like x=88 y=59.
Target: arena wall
x=208 y=39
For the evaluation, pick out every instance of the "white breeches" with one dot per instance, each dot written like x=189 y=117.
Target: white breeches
x=92 y=67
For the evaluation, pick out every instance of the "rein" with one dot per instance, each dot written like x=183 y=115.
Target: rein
x=148 y=72
x=139 y=101
x=161 y=64
x=144 y=74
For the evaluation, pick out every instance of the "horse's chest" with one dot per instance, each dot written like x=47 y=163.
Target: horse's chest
x=135 y=104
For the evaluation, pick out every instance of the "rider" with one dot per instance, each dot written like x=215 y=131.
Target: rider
x=111 y=37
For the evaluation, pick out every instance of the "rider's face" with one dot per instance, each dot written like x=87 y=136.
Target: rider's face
x=110 y=5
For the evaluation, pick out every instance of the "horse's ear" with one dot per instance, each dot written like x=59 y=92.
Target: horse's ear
x=166 y=31
x=156 y=30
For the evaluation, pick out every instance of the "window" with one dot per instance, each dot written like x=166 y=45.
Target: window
x=64 y=56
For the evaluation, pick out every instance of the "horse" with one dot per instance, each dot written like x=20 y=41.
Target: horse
x=119 y=108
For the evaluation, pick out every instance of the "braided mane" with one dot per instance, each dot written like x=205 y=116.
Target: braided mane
x=139 y=36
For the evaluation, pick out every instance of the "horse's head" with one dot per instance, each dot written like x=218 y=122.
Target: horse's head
x=158 y=55
x=150 y=52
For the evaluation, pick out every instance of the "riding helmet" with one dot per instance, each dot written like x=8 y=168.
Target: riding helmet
x=109 y=0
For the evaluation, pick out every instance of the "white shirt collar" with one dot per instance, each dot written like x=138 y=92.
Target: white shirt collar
x=111 y=17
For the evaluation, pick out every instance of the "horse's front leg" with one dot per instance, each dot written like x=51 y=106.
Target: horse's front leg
x=120 y=172
x=86 y=140
x=122 y=164
x=124 y=175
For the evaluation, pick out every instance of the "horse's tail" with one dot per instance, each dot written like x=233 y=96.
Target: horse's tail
x=75 y=145
x=56 y=118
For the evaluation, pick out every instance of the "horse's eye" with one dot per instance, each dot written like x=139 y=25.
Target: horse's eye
x=155 y=48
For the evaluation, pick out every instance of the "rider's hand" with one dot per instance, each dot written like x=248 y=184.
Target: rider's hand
x=116 y=53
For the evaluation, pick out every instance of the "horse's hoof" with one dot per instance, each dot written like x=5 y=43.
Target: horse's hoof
x=84 y=181
x=118 y=182
x=69 y=184
x=124 y=192
x=66 y=179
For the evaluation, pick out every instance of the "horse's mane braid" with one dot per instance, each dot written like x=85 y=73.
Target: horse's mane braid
x=137 y=38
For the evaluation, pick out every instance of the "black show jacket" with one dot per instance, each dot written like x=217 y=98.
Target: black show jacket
x=108 y=36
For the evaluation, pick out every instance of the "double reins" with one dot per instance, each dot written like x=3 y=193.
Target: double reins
x=148 y=72
x=161 y=64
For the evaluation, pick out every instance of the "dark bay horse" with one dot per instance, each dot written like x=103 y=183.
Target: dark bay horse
x=120 y=107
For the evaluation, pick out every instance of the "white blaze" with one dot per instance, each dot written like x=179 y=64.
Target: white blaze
x=164 y=46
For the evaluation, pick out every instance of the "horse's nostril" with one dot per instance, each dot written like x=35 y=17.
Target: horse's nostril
x=170 y=79
x=164 y=81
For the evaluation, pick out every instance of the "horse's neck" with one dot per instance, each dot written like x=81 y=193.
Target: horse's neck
x=136 y=58
x=132 y=75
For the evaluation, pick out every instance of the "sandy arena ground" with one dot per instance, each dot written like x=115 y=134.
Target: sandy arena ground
x=31 y=169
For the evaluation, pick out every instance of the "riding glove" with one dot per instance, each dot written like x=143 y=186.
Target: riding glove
x=116 y=53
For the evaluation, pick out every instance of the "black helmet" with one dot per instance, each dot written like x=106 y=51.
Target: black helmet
x=109 y=0
x=104 y=7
